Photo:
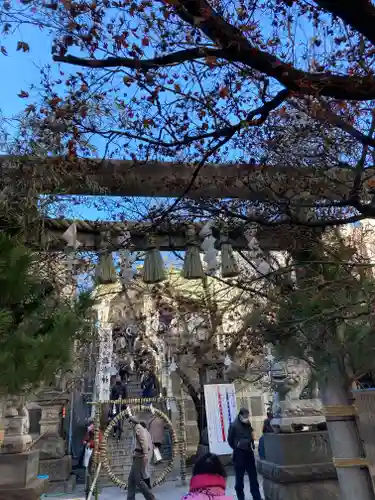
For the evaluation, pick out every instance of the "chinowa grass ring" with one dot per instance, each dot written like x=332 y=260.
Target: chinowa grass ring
x=104 y=450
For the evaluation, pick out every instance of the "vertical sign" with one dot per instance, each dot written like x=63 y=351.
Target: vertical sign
x=104 y=362
x=221 y=410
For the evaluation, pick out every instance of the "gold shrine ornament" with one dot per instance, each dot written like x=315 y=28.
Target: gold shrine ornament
x=343 y=463
x=340 y=411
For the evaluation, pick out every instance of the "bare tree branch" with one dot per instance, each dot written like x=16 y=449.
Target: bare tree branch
x=322 y=113
x=262 y=112
x=236 y=48
x=172 y=59
x=360 y=15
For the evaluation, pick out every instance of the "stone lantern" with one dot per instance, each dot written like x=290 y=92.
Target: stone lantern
x=19 y=464
x=54 y=460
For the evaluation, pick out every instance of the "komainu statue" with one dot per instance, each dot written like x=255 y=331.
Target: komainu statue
x=291 y=379
x=16 y=426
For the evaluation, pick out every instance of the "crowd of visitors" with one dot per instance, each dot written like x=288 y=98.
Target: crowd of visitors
x=209 y=476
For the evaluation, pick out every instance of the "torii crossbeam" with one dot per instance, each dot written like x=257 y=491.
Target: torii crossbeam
x=105 y=235
x=157 y=179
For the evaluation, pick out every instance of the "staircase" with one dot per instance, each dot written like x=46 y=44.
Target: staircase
x=120 y=453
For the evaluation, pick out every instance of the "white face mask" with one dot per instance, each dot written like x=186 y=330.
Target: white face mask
x=245 y=420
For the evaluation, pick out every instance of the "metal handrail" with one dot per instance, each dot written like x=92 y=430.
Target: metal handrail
x=91 y=492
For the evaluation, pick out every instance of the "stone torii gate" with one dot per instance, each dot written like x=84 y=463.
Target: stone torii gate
x=268 y=184
x=108 y=235
x=272 y=184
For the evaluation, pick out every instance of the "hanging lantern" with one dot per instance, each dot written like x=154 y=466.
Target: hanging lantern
x=153 y=266
x=255 y=252
x=252 y=241
x=193 y=268
x=229 y=267
x=105 y=271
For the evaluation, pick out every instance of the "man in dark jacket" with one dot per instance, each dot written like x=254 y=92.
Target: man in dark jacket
x=241 y=440
x=150 y=385
x=118 y=391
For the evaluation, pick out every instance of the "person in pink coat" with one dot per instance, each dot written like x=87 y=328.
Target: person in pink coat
x=209 y=480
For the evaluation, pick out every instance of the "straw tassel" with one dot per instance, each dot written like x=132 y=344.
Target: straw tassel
x=193 y=268
x=208 y=246
x=105 y=271
x=229 y=267
x=126 y=266
x=153 y=266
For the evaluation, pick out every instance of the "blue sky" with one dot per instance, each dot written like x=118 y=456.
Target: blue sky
x=20 y=69
x=23 y=69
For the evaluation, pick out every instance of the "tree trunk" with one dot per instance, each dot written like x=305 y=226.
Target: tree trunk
x=201 y=420
x=355 y=483
x=199 y=402
x=201 y=414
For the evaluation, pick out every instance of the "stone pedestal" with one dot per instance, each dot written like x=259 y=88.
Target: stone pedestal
x=16 y=443
x=298 y=466
x=51 y=444
x=57 y=469
x=18 y=477
x=293 y=415
x=52 y=447
x=32 y=491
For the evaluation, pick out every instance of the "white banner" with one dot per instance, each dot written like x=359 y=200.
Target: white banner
x=221 y=408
